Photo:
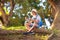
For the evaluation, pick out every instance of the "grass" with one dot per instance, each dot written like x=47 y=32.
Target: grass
x=22 y=37
x=14 y=28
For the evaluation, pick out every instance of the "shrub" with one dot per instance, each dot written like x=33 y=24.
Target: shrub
x=16 y=21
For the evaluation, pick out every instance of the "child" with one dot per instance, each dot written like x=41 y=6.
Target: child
x=26 y=19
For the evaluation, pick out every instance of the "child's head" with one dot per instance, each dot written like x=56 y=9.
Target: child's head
x=34 y=12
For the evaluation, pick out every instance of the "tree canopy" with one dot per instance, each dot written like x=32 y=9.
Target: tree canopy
x=21 y=7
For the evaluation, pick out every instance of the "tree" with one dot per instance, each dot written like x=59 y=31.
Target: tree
x=55 y=4
x=4 y=16
x=56 y=23
x=26 y=4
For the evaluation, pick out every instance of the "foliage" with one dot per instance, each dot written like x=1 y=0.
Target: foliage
x=27 y=5
x=16 y=21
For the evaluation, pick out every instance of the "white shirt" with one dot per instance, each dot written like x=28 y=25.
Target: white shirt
x=37 y=17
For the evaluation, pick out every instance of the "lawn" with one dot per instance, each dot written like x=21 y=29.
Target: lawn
x=14 y=28
x=36 y=36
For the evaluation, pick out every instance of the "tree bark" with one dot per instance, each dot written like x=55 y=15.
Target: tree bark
x=56 y=23
x=12 y=4
x=4 y=16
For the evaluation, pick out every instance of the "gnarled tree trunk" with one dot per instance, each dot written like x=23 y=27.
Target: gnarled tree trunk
x=5 y=17
x=56 y=23
x=56 y=5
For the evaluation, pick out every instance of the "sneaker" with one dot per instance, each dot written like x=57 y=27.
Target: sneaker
x=26 y=33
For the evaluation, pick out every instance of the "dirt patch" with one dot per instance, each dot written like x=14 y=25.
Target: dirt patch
x=22 y=37
x=18 y=35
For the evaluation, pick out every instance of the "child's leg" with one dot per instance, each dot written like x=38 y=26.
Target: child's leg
x=33 y=27
x=27 y=25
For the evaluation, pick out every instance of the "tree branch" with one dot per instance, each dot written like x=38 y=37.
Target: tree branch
x=52 y=3
x=12 y=4
x=3 y=13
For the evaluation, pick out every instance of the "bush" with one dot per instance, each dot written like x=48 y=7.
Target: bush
x=16 y=21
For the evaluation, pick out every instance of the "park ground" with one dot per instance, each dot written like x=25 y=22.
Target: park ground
x=13 y=35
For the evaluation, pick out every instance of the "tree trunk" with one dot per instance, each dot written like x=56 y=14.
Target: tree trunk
x=5 y=17
x=53 y=12
x=56 y=6
x=56 y=23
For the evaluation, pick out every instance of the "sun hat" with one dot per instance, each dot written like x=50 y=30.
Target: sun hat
x=34 y=10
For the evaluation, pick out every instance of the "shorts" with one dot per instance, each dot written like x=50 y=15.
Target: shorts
x=31 y=24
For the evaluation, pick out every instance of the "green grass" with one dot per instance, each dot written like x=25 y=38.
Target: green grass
x=14 y=28
x=23 y=37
